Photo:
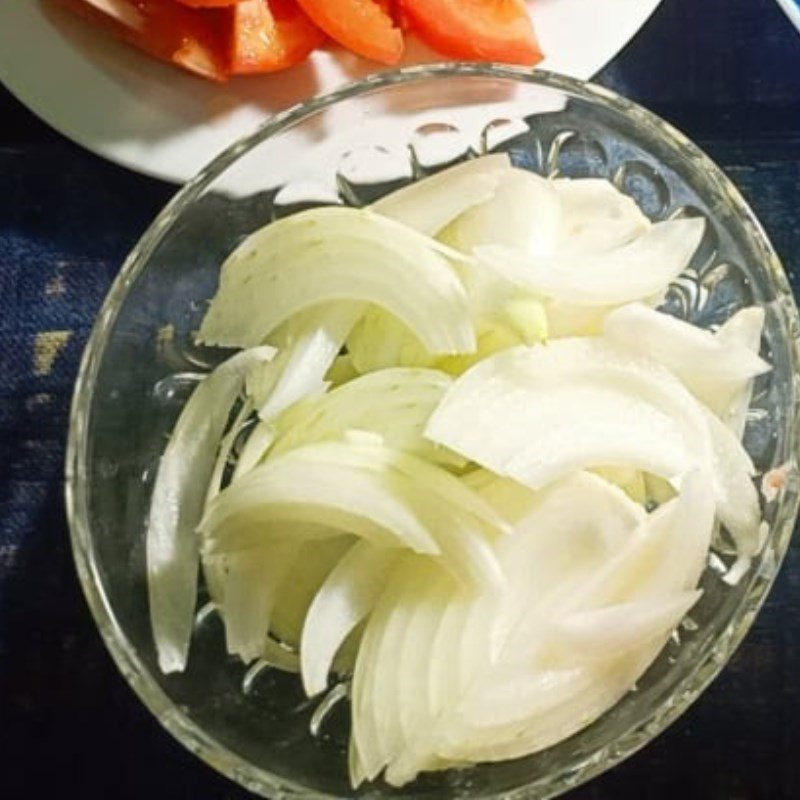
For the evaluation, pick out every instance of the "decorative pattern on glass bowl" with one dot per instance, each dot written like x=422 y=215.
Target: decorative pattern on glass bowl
x=350 y=148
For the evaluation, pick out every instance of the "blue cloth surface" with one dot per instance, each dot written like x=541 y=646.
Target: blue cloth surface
x=725 y=71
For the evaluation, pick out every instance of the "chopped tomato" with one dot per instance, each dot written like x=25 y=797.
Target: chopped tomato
x=209 y=3
x=190 y=38
x=363 y=26
x=482 y=30
x=268 y=35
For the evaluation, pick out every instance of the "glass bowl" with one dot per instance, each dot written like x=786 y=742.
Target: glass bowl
x=351 y=147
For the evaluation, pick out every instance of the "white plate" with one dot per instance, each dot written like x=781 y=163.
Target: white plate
x=154 y=119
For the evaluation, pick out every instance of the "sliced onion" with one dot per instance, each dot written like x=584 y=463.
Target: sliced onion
x=634 y=271
x=177 y=501
x=561 y=535
x=365 y=733
x=714 y=370
x=381 y=341
x=251 y=582
x=608 y=632
x=346 y=597
x=368 y=490
x=524 y=213
x=743 y=329
x=595 y=216
x=737 y=499
x=338 y=254
x=316 y=559
x=309 y=344
x=255 y=448
x=225 y=451
x=573 y=404
x=428 y=205
x=307 y=486
x=394 y=403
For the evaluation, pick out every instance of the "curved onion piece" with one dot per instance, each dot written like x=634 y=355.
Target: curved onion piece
x=366 y=489
x=524 y=213
x=345 y=598
x=308 y=346
x=433 y=593
x=176 y=505
x=636 y=270
x=255 y=448
x=583 y=698
x=364 y=723
x=309 y=487
x=737 y=499
x=397 y=698
x=573 y=404
x=394 y=403
x=522 y=707
x=317 y=559
x=743 y=329
x=381 y=341
x=595 y=216
x=252 y=579
x=338 y=254
x=714 y=370
x=225 y=450
x=610 y=631
x=562 y=534
x=430 y=204
x=666 y=555
x=574 y=319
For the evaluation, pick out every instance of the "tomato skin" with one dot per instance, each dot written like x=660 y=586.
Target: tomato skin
x=190 y=38
x=270 y=35
x=362 y=26
x=208 y=3
x=476 y=30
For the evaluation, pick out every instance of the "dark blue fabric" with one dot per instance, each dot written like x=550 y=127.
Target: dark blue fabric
x=725 y=71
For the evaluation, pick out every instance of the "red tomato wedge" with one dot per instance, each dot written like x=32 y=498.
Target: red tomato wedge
x=269 y=35
x=481 y=30
x=363 y=26
x=190 y=38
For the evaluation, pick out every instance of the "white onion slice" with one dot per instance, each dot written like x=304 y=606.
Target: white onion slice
x=737 y=499
x=430 y=204
x=394 y=403
x=610 y=631
x=743 y=329
x=330 y=254
x=570 y=405
x=251 y=583
x=309 y=344
x=381 y=341
x=366 y=489
x=177 y=503
x=308 y=486
x=226 y=448
x=255 y=448
x=316 y=559
x=584 y=403
x=633 y=271
x=524 y=213
x=595 y=216
x=714 y=370
x=346 y=597
x=365 y=732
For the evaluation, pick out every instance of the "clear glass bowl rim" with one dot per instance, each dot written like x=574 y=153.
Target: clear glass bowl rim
x=76 y=474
